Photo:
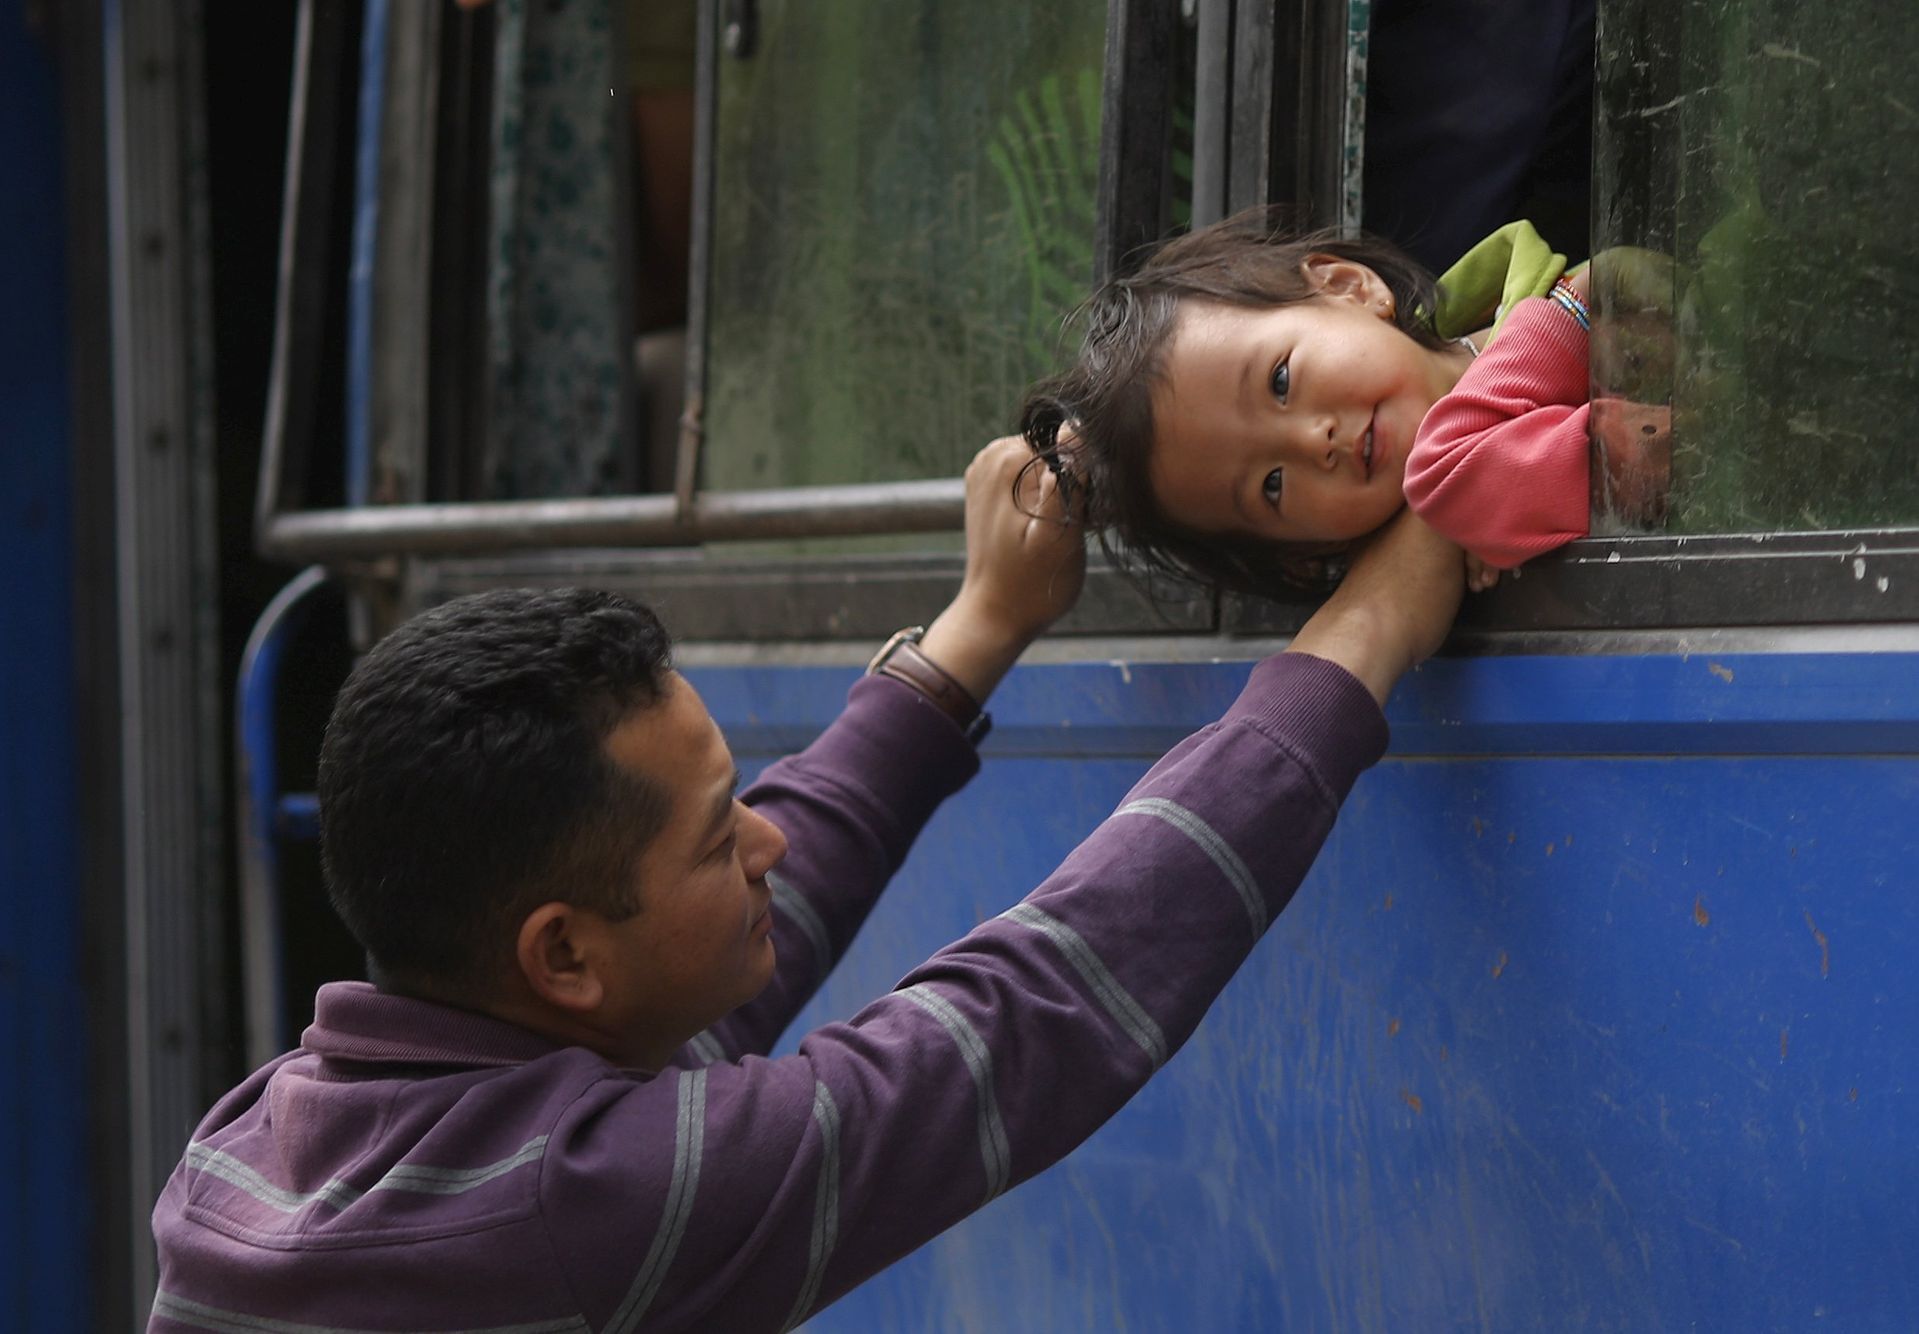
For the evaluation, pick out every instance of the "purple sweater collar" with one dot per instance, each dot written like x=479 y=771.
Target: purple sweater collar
x=357 y=1022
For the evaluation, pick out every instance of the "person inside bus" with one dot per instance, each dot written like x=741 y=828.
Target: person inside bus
x=1478 y=113
x=553 y=1107
x=1253 y=400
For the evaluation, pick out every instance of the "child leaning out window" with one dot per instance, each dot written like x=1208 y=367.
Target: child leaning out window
x=1249 y=402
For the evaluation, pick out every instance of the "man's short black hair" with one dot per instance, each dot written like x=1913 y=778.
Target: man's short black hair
x=464 y=778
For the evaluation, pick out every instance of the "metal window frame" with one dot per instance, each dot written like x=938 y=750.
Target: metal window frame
x=1133 y=208
x=1136 y=128
x=1257 y=140
x=1248 y=149
x=285 y=529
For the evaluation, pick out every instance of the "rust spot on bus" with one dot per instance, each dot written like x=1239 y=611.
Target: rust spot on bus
x=1825 y=950
x=1699 y=913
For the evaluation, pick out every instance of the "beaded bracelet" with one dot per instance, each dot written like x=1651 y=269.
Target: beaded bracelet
x=1568 y=300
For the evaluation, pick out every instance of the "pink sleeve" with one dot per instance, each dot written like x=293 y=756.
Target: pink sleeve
x=1500 y=465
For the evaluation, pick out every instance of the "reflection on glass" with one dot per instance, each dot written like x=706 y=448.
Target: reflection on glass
x=903 y=209
x=1756 y=340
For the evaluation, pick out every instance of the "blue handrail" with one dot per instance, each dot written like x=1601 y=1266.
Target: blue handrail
x=266 y=817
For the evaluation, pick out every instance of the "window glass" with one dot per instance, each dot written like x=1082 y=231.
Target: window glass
x=1757 y=333
x=903 y=209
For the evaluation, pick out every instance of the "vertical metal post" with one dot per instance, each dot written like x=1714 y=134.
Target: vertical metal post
x=1258 y=53
x=397 y=206
x=1136 y=120
x=1212 y=103
x=322 y=60
x=699 y=260
x=362 y=290
x=457 y=255
x=1296 y=111
x=165 y=609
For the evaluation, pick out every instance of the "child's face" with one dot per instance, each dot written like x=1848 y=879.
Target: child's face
x=1292 y=423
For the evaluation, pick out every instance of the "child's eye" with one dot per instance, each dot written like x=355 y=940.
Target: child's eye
x=1270 y=487
x=1282 y=381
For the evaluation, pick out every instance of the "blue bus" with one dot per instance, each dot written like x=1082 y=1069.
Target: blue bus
x=1590 y=1016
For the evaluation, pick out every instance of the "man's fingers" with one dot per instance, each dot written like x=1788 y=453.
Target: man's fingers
x=1037 y=491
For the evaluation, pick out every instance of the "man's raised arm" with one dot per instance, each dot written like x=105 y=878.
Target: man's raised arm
x=1003 y=1051
x=852 y=803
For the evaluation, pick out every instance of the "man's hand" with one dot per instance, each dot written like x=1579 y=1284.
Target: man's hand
x=1392 y=609
x=1479 y=575
x=1025 y=564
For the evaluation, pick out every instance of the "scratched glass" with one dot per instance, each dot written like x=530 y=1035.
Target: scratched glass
x=1756 y=335
x=904 y=208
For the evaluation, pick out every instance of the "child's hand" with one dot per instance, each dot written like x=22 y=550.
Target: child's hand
x=1479 y=575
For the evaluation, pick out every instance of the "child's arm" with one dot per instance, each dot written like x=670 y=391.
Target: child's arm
x=1500 y=465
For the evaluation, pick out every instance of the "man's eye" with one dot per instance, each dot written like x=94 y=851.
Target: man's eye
x=1270 y=487
x=1282 y=382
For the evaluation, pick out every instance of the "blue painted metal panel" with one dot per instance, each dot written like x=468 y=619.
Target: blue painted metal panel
x=43 y=1201
x=1596 y=1013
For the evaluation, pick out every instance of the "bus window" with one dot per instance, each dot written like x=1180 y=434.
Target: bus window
x=904 y=206
x=1756 y=338
x=891 y=207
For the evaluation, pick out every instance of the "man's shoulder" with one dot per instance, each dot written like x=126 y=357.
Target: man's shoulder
x=317 y=1177
x=516 y=1189
x=310 y=1159
x=310 y=1147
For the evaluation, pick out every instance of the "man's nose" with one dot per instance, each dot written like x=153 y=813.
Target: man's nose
x=763 y=846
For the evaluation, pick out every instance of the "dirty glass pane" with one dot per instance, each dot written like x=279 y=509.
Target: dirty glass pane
x=904 y=200
x=1757 y=331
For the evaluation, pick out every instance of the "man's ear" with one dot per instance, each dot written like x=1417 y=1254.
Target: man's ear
x=1348 y=280
x=555 y=957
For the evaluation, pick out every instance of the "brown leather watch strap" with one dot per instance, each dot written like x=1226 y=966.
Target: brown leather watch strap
x=902 y=660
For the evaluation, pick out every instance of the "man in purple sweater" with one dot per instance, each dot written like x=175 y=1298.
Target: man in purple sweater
x=552 y=1109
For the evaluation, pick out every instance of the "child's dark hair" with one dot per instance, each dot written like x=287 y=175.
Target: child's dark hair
x=1106 y=397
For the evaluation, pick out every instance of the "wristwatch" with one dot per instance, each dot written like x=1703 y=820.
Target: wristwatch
x=900 y=658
